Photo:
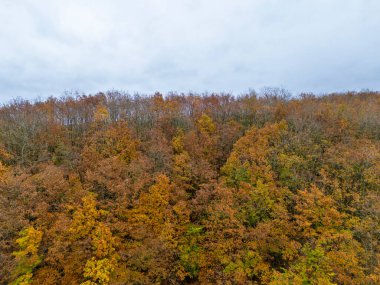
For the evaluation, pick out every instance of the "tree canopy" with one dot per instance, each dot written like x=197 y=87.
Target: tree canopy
x=191 y=189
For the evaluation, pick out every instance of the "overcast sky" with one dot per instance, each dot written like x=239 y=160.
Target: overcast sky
x=47 y=47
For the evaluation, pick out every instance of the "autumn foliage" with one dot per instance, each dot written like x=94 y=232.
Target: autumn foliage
x=191 y=189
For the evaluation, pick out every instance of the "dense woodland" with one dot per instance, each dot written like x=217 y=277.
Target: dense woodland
x=191 y=189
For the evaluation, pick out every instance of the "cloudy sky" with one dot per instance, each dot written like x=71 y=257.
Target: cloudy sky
x=48 y=47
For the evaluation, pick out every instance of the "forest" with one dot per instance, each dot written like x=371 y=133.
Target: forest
x=260 y=188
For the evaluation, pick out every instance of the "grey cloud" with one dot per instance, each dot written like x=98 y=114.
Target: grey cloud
x=303 y=45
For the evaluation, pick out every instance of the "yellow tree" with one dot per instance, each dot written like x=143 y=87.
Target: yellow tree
x=203 y=154
x=259 y=205
x=27 y=257
x=155 y=225
x=3 y=172
x=181 y=162
x=208 y=138
x=101 y=114
x=330 y=251
x=153 y=212
x=248 y=169
x=249 y=161
x=86 y=224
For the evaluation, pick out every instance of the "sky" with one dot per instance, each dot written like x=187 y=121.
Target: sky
x=51 y=47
